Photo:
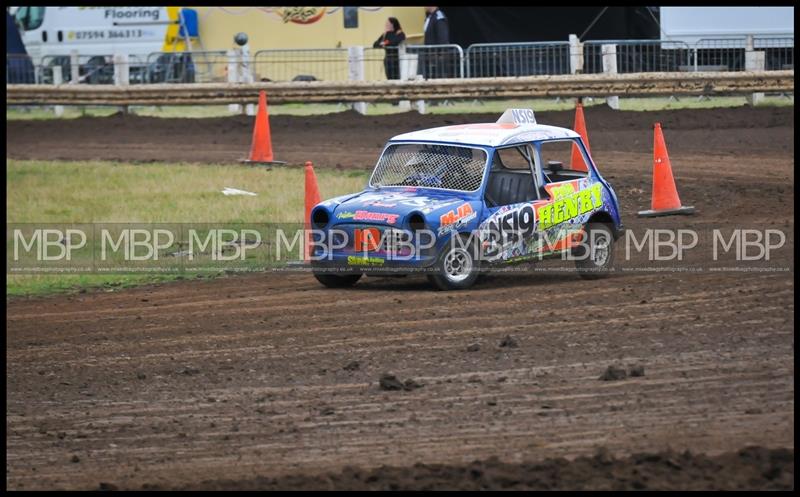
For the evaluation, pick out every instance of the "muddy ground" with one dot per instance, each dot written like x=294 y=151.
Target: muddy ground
x=271 y=381
x=751 y=467
x=348 y=139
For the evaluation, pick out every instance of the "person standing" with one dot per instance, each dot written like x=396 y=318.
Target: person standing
x=437 y=32
x=390 y=40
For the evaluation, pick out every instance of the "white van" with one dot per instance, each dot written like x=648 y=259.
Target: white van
x=51 y=34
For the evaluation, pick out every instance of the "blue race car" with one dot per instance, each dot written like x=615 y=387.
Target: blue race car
x=454 y=200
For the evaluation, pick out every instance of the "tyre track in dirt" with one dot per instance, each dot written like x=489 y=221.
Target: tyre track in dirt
x=478 y=317
x=697 y=391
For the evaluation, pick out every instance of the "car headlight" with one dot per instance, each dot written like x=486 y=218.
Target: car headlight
x=416 y=222
x=320 y=217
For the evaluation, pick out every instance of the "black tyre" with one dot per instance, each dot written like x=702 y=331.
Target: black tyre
x=600 y=244
x=336 y=281
x=458 y=266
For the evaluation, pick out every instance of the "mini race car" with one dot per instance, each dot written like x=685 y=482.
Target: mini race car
x=455 y=200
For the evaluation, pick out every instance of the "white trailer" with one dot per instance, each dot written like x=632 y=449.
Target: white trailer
x=691 y=24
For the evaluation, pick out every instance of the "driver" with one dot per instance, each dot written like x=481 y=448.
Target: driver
x=450 y=169
x=420 y=169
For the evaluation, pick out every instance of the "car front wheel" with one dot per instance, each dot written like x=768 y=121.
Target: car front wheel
x=457 y=267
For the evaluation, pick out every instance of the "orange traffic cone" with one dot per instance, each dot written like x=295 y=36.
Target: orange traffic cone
x=665 y=196
x=312 y=199
x=577 y=162
x=261 y=149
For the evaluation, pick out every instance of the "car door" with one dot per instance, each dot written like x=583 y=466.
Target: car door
x=511 y=192
x=569 y=194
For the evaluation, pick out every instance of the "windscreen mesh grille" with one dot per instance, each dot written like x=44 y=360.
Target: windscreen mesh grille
x=432 y=166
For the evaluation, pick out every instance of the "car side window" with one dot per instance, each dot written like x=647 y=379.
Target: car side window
x=516 y=158
x=556 y=160
x=510 y=178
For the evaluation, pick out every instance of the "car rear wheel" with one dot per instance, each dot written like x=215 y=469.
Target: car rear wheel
x=457 y=267
x=600 y=244
x=335 y=281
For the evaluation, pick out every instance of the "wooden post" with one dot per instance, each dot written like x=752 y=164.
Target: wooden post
x=419 y=105
x=610 y=67
x=233 y=76
x=404 y=59
x=753 y=61
x=74 y=67
x=355 y=63
x=58 y=79
x=246 y=75
x=121 y=74
x=575 y=55
x=75 y=73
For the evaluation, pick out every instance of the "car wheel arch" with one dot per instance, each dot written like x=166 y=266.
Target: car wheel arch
x=603 y=217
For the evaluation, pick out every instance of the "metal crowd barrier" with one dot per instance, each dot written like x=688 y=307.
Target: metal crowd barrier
x=488 y=60
x=308 y=64
x=89 y=69
x=481 y=60
x=729 y=54
x=720 y=54
x=638 y=56
x=186 y=67
x=438 y=61
x=21 y=70
x=374 y=67
x=334 y=64
x=779 y=52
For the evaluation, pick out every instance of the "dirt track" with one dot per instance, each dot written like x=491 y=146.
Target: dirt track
x=349 y=140
x=752 y=467
x=244 y=377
